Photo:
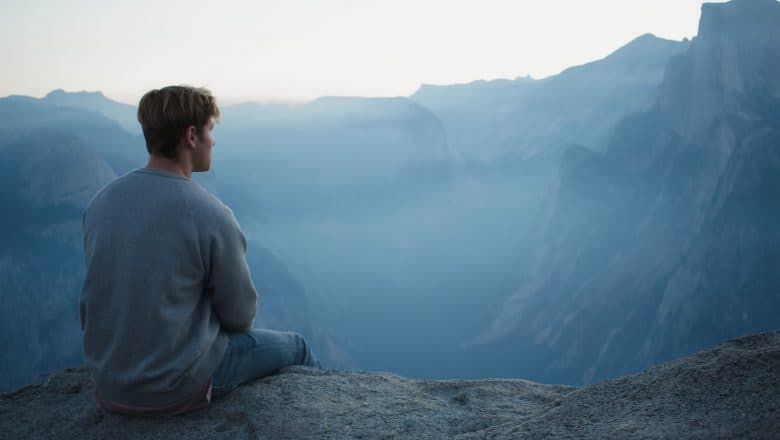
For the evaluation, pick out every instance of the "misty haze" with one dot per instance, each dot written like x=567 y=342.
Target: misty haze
x=567 y=230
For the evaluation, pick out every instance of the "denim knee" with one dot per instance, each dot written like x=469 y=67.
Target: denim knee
x=305 y=355
x=303 y=347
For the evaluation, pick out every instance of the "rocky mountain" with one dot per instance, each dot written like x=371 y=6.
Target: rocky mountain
x=667 y=241
x=503 y=120
x=728 y=391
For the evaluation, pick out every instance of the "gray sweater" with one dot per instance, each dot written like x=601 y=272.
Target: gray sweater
x=166 y=276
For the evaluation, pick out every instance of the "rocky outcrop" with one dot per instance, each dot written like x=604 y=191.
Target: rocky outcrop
x=728 y=391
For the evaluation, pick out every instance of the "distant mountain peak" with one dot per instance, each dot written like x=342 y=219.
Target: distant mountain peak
x=59 y=93
x=643 y=48
x=96 y=101
x=84 y=99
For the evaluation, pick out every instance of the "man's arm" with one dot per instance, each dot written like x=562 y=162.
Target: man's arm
x=229 y=282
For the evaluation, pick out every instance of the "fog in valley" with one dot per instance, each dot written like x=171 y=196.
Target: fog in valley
x=562 y=230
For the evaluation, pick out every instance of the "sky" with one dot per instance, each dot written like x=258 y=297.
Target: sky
x=297 y=50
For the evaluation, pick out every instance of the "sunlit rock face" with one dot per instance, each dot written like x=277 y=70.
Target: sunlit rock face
x=666 y=242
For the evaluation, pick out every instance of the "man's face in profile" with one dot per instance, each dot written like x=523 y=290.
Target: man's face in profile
x=201 y=158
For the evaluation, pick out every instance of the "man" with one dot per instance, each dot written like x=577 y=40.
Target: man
x=168 y=302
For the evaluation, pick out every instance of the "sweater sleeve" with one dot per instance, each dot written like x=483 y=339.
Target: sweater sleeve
x=229 y=282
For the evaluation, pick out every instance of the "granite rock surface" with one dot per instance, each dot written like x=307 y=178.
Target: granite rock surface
x=728 y=391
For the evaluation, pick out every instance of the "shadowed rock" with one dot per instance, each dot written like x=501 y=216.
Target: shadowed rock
x=726 y=391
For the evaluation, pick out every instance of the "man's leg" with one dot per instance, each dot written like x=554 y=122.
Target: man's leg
x=258 y=353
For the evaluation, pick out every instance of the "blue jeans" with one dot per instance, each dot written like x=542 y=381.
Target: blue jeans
x=258 y=353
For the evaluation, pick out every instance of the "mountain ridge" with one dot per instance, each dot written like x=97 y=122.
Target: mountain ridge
x=123 y=114
x=495 y=121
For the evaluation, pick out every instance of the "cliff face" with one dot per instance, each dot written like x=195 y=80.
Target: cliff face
x=734 y=59
x=729 y=391
x=724 y=199
x=667 y=242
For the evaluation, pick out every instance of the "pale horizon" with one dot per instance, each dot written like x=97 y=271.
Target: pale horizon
x=299 y=51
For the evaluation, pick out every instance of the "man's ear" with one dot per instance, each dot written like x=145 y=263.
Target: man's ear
x=190 y=134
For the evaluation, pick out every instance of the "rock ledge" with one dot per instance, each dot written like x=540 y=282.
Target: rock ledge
x=730 y=390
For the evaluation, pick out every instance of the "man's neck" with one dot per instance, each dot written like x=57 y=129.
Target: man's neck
x=171 y=165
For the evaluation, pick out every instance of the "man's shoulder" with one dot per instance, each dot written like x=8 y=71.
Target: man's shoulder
x=109 y=188
x=154 y=189
x=204 y=200
x=208 y=208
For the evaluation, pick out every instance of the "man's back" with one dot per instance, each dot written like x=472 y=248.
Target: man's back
x=165 y=272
